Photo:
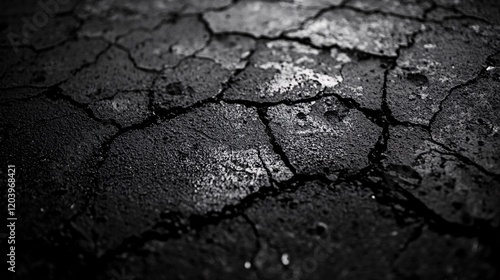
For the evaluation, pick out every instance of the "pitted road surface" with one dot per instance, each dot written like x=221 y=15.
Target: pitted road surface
x=300 y=139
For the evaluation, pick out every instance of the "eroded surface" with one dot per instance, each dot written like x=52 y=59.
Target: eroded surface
x=259 y=18
x=374 y=34
x=167 y=44
x=323 y=136
x=449 y=187
x=192 y=81
x=426 y=72
x=284 y=70
x=469 y=122
x=113 y=62
x=197 y=163
x=248 y=139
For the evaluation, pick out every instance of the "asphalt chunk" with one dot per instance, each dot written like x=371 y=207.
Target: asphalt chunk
x=438 y=61
x=259 y=18
x=192 y=81
x=449 y=187
x=374 y=34
x=469 y=122
x=166 y=45
x=92 y=83
x=363 y=82
x=284 y=70
x=231 y=51
x=324 y=136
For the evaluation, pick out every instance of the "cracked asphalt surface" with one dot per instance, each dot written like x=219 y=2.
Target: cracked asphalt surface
x=225 y=139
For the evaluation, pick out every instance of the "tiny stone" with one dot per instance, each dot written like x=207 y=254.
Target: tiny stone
x=248 y=265
x=285 y=259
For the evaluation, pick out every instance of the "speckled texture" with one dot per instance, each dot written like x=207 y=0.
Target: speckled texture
x=216 y=141
x=272 y=139
x=259 y=18
x=113 y=63
x=363 y=82
x=285 y=70
x=167 y=44
x=52 y=66
x=230 y=51
x=426 y=72
x=469 y=121
x=323 y=136
x=192 y=81
x=374 y=34
x=452 y=189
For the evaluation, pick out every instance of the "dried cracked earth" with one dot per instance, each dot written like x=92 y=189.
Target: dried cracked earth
x=301 y=139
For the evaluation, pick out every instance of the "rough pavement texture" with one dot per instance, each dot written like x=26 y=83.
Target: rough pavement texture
x=373 y=33
x=220 y=139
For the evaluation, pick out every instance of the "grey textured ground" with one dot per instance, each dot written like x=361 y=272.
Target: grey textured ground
x=224 y=139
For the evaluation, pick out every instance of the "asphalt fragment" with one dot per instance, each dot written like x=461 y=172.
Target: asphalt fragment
x=231 y=51
x=438 y=61
x=449 y=187
x=259 y=18
x=95 y=78
x=282 y=70
x=166 y=45
x=375 y=34
x=469 y=122
x=192 y=81
x=323 y=137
